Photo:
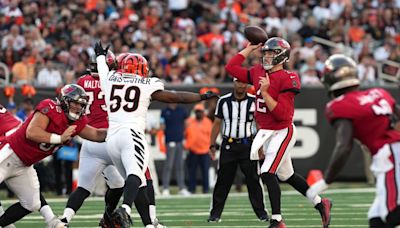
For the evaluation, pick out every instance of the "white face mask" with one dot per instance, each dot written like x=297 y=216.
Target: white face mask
x=73 y=116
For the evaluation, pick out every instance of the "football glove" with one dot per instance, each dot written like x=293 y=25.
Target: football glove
x=208 y=95
x=99 y=50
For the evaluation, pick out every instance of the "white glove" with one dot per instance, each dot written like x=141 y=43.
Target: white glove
x=317 y=188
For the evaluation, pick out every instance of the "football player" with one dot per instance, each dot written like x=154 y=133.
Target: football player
x=128 y=94
x=9 y=125
x=94 y=158
x=52 y=124
x=276 y=90
x=365 y=116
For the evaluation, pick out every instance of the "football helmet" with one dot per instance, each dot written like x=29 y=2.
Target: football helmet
x=281 y=50
x=73 y=93
x=110 y=59
x=340 y=72
x=135 y=64
x=120 y=58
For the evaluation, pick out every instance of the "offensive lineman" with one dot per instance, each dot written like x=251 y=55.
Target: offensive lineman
x=366 y=116
x=52 y=124
x=128 y=94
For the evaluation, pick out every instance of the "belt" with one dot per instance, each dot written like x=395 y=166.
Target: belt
x=238 y=140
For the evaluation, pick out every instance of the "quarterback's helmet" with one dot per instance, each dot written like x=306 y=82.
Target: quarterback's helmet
x=281 y=50
x=73 y=93
x=135 y=64
x=110 y=59
x=340 y=72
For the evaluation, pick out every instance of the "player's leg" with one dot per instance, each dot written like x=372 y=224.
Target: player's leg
x=26 y=187
x=393 y=186
x=225 y=176
x=89 y=169
x=115 y=188
x=134 y=159
x=275 y=149
x=254 y=187
x=167 y=169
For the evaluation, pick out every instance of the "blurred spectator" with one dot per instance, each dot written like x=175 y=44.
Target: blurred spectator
x=366 y=70
x=26 y=109
x=173 y=122
x=23 y=72
x=197 y=135
x=14 y=38
x=308 y=73
x=49 y=76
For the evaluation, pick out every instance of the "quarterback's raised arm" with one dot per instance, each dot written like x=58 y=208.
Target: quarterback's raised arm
x=181 y=97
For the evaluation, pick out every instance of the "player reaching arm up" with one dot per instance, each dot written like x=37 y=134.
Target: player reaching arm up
x=128 y=93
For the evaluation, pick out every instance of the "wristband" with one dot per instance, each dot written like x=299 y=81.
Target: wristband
x=212 y=146
x=55 y=139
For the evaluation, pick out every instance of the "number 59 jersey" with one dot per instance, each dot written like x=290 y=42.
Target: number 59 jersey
x=370 y=112
x=127 y=97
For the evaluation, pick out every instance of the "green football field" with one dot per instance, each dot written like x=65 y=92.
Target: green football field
x=350 y=208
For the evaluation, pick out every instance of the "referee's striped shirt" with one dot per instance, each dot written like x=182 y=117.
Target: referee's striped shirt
x=237 y=115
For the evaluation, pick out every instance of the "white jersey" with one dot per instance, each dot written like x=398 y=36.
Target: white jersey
x=127 y=97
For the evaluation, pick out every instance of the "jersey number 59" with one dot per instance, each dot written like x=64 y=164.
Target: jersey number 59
x=125 y=97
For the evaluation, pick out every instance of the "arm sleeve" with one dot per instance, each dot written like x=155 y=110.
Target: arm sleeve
x=102 y=68
x=285 y=108
x=234 y=68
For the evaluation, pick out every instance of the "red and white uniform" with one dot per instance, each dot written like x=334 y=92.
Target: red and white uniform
x=31 y=152
x=370 y=112
x=18 y=154
x=8 y=122
x=276 y=134
x=94 y=158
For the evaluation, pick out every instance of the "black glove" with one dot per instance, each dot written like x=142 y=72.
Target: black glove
x=208 y=95
x=99 y=50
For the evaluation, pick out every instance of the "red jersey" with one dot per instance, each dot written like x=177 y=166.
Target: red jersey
x=284 y=85
x=31 y=152
x=7 y=120
x=96 y=110
x=369 y=112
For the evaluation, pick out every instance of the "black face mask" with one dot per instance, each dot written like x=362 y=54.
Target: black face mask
x=199 y=115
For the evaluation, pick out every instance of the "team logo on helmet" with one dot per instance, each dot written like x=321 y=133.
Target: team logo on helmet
x=135 y=64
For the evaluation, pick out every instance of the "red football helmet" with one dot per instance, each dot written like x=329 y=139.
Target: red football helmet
x=135 y=64
x=120 y=58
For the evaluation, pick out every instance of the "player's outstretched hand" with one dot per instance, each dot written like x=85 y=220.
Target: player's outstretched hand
x=99 y=50
x=67 y=134
x=208 y=95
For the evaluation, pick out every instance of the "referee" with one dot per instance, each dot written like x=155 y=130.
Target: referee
x=236 y=112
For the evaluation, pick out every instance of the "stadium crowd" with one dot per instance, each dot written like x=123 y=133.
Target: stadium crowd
x=49 y=43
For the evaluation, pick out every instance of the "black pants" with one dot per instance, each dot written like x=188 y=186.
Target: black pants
x=232 y=156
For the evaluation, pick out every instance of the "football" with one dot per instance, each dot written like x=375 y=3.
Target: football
x=255 y=34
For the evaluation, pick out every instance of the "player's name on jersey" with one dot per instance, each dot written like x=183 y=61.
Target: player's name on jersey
x=92 y=84
x=129 y=78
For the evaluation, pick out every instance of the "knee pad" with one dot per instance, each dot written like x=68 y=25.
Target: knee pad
x=32 y=204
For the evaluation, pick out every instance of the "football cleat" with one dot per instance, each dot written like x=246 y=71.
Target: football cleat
x=214 y=219
x=263 y=218
x=157 y=224
x=324 y=208
x=56 y=223
x=105 y=222
x=275 y=224
x=120 y=218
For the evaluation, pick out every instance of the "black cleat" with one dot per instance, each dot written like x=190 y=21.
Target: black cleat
x=120 y=218
x=276 y=224
x=105 y=222
x=263 y=218
x=214 y=219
